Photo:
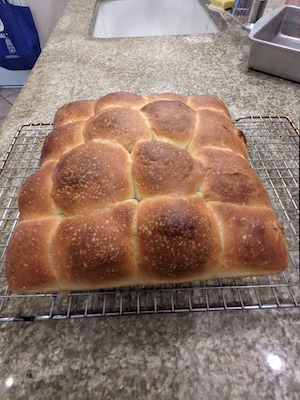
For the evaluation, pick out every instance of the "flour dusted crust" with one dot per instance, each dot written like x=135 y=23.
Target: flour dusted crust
x=141 y=190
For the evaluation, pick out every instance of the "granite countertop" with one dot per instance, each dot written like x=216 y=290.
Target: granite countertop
x=211 y=355
x=75 y=66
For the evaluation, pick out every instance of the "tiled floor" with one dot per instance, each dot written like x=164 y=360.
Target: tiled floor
x=7 y=99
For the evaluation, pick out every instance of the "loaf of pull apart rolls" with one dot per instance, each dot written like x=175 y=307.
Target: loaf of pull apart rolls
x=142 y=190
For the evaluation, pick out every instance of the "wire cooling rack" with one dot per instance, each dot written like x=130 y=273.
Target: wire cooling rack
x=273 y=144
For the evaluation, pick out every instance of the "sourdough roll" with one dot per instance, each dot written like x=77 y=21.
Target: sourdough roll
x=171 y=121
x=91 y=177
x=253 y=240
x=35 y=196
x=121 y=125
x=61 y=140
x=216 y=130
x=230 y=179
x=208 y=102
x=80 y=110
x=92 y=251
x=163 y=168
x=29 y=265
x=167 y=97
x=120 y=99
x=142 y=190
x=178 y=240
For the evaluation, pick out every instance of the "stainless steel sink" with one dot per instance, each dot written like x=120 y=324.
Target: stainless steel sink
x=134 y=18
x=275 y=45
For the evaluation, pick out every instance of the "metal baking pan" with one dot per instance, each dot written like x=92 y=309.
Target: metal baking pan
x=275 y=47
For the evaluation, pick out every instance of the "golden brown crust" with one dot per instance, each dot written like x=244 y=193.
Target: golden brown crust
x=178 y=240
x=162 y=168
x=208 y=102
x=171 y=120
x=167 y=96
x=92 y=252
x=61 y=140
x=119 y=99
x=91 y=177
x=28 y=265
x=80 y=110
x=142 y=190
x=254 y=242
x=120 y=125
x=34 y=197
x=216 y=130
x=231 y=179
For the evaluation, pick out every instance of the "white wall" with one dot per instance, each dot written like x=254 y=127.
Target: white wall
x=46 y=14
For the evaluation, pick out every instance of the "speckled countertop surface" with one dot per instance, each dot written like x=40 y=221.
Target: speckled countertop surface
x=215 y=355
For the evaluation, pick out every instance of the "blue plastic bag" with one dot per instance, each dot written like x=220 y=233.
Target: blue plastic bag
x=19 y=40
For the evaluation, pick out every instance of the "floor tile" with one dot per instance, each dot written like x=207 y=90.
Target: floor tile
x=8 y=92
x=5 y=107
x=12 y=98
